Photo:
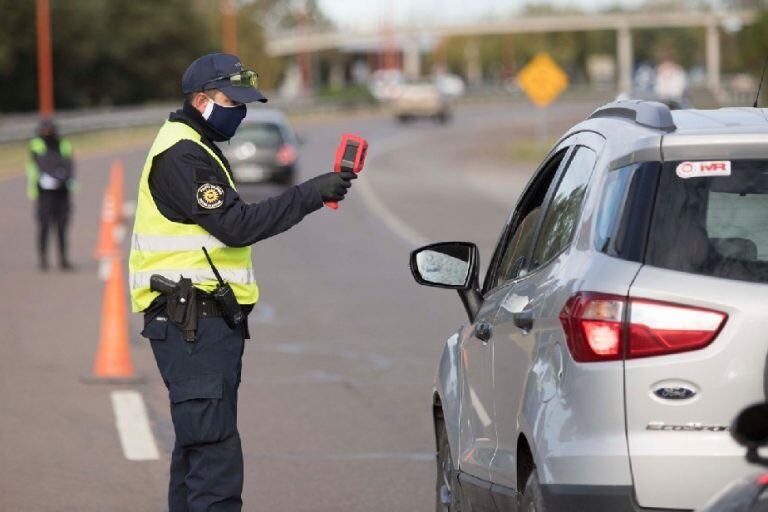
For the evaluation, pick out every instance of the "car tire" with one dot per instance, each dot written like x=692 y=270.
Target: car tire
x=532 y=500
x=448 y=496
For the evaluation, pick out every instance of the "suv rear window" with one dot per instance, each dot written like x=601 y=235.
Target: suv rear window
x=263 y=135
x=715 y=225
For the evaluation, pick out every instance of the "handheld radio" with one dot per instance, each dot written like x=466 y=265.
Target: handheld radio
x=225 y=296
x=350 y=156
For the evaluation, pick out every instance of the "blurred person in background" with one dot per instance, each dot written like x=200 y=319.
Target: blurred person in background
x=188 y=200
x=50 y=181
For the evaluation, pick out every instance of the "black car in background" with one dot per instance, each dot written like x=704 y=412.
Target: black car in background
x=265 y=149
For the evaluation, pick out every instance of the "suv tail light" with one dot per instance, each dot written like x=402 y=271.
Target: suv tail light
x=602 y=327
x=286 y=155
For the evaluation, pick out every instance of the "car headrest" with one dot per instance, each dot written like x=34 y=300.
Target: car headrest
x=738 y=248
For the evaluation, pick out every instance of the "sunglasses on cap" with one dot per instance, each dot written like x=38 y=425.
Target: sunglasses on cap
x=245 y=78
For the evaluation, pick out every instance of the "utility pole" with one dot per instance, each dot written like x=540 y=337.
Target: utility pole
x=44 y=59
x=228 y=27
x=305 y=60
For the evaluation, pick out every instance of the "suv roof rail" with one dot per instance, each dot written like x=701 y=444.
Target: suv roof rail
x=646 y=113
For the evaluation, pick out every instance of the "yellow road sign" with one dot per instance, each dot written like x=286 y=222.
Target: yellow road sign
x=542 y=80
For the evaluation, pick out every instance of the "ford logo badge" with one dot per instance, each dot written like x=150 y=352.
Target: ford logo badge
x=677 y=393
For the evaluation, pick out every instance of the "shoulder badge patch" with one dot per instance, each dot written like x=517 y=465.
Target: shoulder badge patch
x=210 y=196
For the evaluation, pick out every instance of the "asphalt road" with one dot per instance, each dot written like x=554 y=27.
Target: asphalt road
x=335 y=403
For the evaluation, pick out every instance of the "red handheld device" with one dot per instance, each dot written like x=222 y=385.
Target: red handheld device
x=350 y=156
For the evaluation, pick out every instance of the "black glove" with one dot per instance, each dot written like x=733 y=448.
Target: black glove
x=333 y=185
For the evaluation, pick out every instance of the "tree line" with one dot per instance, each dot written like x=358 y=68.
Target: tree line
x=110 y=52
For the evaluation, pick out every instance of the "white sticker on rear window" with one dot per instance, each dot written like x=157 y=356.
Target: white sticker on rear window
x=704 y=169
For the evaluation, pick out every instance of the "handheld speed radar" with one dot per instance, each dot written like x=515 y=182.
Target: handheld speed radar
x=350 y=156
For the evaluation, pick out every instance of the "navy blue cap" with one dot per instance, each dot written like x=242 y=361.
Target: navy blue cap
x=206 y=72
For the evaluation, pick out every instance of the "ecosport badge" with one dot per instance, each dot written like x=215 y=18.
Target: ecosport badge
x=687 y=427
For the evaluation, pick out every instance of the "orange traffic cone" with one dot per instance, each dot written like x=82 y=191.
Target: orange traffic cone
x=113 y=358
x=107 y=245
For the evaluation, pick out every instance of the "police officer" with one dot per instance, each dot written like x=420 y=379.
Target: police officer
x=50 y=179
x=187 y=200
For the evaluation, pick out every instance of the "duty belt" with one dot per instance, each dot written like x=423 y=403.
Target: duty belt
x=207 y=306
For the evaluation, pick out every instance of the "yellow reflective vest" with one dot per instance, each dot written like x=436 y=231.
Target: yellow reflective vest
x=172 y=249
x=37 y=147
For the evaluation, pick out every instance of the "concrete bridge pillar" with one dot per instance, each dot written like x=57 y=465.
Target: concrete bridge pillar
x=713 y=58
x=412 y=59
x=337 y=78
x=625 y=58
x=474 y=69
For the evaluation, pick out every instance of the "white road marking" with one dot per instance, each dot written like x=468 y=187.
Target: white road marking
x=377 y=206
x=133 y=426
x=392 y=221
x=372 y=200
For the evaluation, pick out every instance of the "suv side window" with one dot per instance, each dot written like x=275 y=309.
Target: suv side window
x=564 y=211
x=609 y=213
x=515 y=245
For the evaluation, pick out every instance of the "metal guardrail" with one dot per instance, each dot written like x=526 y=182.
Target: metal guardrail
x=19 y=127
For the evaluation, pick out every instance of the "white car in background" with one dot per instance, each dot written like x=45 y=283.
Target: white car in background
x=421 y=100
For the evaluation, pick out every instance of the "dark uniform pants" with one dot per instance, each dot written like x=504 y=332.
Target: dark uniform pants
x=52 y=210
x=202 y=380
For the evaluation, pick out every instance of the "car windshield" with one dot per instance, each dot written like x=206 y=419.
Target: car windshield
x=711 y=218
x=264 y=135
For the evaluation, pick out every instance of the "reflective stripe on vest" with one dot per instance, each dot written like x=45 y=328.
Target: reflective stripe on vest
x=160 y=243
x=173 y=249
x=197 y=275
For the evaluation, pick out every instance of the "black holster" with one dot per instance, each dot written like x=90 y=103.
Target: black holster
x=181 y=303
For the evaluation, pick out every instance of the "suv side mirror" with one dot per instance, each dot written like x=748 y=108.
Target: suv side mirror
x=453 y=265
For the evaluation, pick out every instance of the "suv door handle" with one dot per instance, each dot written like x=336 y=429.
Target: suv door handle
x=523 y=319
x=483 y=331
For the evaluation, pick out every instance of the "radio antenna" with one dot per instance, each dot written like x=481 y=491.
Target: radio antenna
x=759 y=87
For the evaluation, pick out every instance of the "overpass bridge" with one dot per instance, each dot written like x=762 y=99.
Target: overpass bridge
x=305 y=41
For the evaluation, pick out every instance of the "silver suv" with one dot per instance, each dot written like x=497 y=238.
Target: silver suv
x=622 y=323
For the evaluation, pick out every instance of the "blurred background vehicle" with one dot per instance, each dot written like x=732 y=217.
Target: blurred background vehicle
x=265 y=149
x=386 y=84
x=421 y=100
x=450 y=85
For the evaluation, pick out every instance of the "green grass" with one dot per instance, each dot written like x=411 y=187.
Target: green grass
x=529 y=150
x=512 y=148
x=13 y=155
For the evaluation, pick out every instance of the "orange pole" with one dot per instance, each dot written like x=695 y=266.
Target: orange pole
x=228 y=27
x=44 y=59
